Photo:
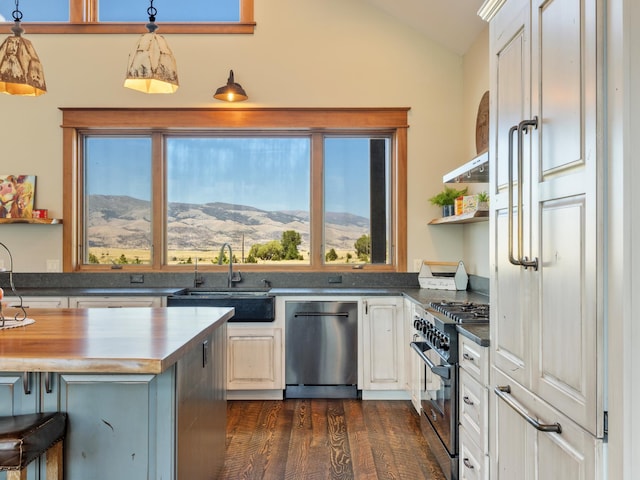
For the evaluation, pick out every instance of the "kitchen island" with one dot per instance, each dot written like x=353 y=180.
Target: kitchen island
x=144 y=388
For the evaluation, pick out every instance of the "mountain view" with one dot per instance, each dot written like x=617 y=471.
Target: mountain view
x=124 y=222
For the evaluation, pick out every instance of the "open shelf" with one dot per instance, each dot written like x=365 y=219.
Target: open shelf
x=473 y=217
x=36 y=221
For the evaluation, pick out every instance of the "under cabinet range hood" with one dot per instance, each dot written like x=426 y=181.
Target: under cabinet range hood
x=474 y=171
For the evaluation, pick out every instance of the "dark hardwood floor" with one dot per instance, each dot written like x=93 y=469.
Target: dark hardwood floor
x=326 y=439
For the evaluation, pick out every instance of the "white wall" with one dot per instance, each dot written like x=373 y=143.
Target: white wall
x=303 y=54
x=476 y=82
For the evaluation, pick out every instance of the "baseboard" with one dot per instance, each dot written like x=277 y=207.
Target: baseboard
x=255 y=395
x=385 y=395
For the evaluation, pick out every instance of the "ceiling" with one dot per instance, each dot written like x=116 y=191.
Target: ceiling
x=451 y=23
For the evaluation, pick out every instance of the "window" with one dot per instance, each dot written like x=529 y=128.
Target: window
x=357 y=199
x=127 y=16
x=299 y=189
x=244 y=191
x=117 y=199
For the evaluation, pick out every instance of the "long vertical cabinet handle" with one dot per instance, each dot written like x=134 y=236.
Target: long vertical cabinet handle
x=512 y=259
x=523 y=126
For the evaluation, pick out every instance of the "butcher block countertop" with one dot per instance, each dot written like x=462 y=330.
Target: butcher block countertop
x=107 y=340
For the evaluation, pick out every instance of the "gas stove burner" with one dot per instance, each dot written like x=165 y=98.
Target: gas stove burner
x=462 y=311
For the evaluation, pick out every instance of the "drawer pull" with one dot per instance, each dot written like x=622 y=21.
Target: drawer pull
x=505 y=394
x=468 y=464
x=468 y=357
x=26 y=383
x=467 y=400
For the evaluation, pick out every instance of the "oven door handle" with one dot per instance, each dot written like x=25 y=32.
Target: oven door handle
x=441 y=371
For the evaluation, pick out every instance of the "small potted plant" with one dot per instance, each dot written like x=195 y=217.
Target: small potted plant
x=483 y=201
x=446 y=199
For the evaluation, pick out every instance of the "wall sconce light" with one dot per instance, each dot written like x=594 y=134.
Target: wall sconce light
x=152 y=66
x=20 y=68
x=231 y=92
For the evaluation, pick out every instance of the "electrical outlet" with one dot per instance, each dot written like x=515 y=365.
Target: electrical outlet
x=136 y=278
x=335 y=279
x=53 y=265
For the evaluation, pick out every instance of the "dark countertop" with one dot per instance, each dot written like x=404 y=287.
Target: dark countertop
x=420 y=296
x=85 y=292
x=476 y=332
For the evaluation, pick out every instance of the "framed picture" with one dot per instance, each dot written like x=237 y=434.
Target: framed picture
x=16 y=196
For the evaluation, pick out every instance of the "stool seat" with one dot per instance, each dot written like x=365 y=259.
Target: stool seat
x=23 y=438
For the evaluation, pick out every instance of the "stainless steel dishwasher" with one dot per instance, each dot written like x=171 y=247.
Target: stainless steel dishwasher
x=321 y=349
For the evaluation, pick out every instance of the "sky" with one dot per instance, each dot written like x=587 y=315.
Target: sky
x=128 y=10
x=266 y=173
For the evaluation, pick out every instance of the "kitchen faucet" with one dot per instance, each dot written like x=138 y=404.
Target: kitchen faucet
x=230 y=278
x=197 y=278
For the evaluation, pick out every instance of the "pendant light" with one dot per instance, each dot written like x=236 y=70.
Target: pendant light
x=231 y=92
x=152 y=67
x=20 y=68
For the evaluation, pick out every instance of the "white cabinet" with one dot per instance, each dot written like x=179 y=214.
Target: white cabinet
x=255 y=358
x=383 y=343
x=413 y=365
x=116 y=301
x=546 y=234
x=524 y=452
x=474 y=409
x=38 y=302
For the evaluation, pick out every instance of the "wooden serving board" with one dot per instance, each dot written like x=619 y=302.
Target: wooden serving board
x=482 y=124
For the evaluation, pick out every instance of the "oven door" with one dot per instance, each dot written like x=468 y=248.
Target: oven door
x=438 y=397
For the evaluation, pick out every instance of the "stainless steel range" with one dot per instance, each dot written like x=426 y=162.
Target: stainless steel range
x=435 y=340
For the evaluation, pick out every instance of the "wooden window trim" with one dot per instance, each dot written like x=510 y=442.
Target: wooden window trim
x=83 y=16
x=78 y=120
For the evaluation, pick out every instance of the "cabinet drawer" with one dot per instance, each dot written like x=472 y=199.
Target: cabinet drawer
x=474 y=409
x=474 y=359
x=473 y=462
x=38 y=302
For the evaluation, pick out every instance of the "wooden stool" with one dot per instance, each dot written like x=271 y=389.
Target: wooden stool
x=23 y=438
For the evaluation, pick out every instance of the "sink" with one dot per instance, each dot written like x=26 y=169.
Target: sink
x=251 y=305
x=223 y=292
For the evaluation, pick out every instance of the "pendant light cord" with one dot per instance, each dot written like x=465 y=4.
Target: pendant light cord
x=17 y=14
x=152 y=12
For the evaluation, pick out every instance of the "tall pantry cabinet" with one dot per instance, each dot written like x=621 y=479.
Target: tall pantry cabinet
x=547 y=344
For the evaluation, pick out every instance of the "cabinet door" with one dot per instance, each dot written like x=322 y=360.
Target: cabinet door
x=567 y=219
x=120 y=426
x=521 y=451
x=547 y=321
x=254 y=358
x=18 y=393
x=414 y=366
x=202 y=408
x=111 y=302
x=510 y=97
x=383 y=338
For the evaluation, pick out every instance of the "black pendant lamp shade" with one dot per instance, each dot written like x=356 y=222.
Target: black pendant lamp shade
x=232 y=91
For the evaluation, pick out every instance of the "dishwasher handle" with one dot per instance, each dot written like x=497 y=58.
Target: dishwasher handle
x=321 y=314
